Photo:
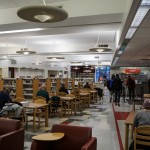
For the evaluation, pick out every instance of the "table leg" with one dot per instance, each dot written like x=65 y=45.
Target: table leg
x=34 y=116
x=75 y=106
x=126 y=136
x=46 y=116
x=133 y=107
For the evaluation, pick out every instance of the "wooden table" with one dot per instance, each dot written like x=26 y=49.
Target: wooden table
x=128 y=122
x=35 y=106
x=48 y=136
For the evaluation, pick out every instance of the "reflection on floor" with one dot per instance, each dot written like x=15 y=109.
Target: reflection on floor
x=106 y=119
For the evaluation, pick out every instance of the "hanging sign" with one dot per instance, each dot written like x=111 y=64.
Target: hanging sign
x=133 y=71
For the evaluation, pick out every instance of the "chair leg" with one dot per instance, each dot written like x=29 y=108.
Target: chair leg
x=39 y=122
x=26 y=120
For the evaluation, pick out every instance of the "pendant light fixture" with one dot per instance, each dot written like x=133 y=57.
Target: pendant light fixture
x=42 y=13
x=54 y=57
x=100 y=47
x=25 y=50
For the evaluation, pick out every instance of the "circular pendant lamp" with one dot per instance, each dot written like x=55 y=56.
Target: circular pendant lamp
x=42 y=14
x=101 y=48
x=25 y=51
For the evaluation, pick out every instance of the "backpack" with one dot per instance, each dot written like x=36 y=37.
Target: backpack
x=110 y=84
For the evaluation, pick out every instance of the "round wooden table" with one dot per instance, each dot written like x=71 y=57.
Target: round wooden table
x=48 y=136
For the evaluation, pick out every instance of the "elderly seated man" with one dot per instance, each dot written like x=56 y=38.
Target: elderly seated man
x=42 y=92
x=142 y=118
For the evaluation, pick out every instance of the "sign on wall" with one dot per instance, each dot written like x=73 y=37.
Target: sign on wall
x=102 y=71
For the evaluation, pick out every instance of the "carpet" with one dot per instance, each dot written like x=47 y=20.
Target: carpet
x=137 y=102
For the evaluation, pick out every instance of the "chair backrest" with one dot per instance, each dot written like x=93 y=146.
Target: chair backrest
x=40 y=97
x=75 y=136
x=62 y=94
x=70 y=95
x=9 y=125
x=19 y=99
x=52 y=94
x=41 y=101
x=55 y=101
x=142 y=136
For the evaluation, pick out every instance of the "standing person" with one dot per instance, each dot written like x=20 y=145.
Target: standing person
x=142 y=118
x=117 y=86
x=131 y=87
x=110 y=87
x=63 y=89
x=42 y=92
x=105 y=81
x=149 y=85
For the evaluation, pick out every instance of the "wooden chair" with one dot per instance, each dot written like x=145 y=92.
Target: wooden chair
x=39 y=113
x=19 y=99
x=62 y=94
x=72 y=104
x=39 y=97
x=142 y=136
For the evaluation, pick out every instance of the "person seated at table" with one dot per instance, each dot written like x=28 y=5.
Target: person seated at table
x=63 y=89
x=142 y=118
x=42 y=92
x=4 y=98
x=87 y=86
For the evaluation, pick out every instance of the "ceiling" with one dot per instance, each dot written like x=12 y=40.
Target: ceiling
x=137 y=51
x=73 y=37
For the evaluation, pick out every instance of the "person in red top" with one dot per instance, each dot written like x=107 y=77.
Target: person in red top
x=131 y=87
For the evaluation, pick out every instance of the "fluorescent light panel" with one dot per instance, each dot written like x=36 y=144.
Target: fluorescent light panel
x=120 y=52
x=140 y=14
x=130 y=33
x=145 y=2
x=18 y=31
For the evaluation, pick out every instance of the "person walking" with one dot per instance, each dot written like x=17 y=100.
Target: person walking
x=117 y=86
x=131 y=87
x=110 y=87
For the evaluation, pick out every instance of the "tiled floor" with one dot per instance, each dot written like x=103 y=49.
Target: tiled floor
x=106 y=119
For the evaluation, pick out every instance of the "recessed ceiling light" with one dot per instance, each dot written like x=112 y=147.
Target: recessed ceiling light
x=130 y=33
x=139 y=16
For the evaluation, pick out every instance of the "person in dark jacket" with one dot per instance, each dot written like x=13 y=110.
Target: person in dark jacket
x=131 y=87
x=63 y=89
x=117 y=86
x=4 y=98
x=110 y=87
x=42 y=92
x=87 y=85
